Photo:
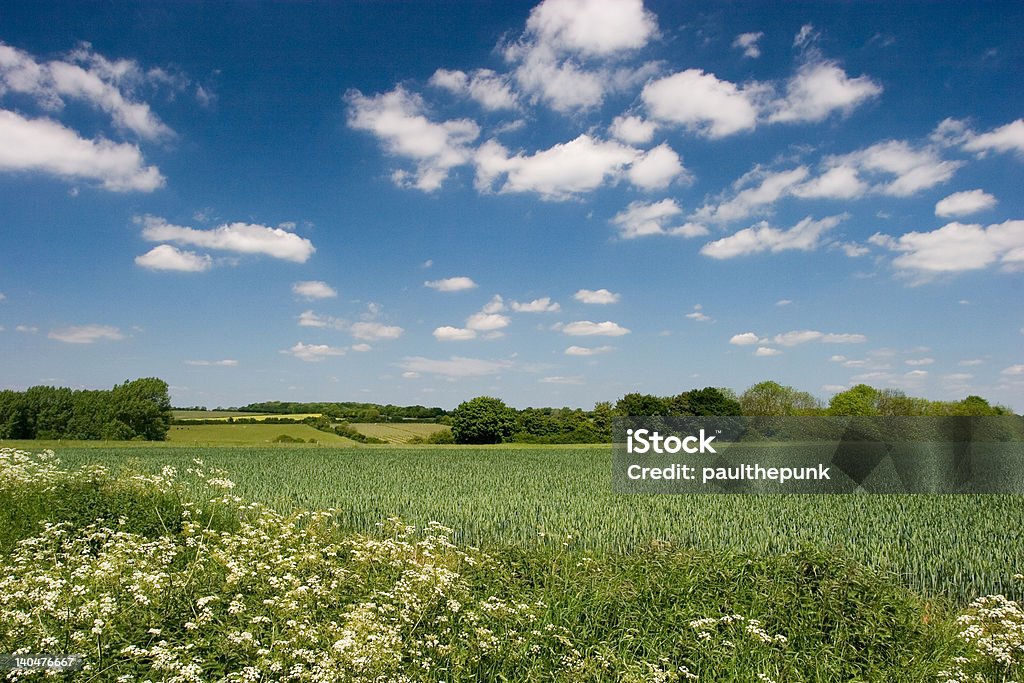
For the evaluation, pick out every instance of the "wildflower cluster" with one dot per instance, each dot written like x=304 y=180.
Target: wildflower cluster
x=266 y=597
x=993 y=628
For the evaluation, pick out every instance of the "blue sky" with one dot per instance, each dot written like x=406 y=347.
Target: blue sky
x=553 y=203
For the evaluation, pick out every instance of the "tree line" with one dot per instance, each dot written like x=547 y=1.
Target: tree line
x=351 y=411
x=138 y=409
x=486 y=419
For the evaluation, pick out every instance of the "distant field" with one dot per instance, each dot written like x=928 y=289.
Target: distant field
x=398 y=432
x=250 y=434
x=225 y=414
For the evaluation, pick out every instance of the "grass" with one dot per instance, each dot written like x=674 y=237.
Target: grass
x=250 y=434
x=224 y=590
x=952 y=547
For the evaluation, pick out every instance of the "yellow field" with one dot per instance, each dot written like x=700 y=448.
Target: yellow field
x=222 y=416
x=229 y=434
x=401 y=432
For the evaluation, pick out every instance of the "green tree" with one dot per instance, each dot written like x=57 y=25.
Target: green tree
x=860 y=400
x=483 y=419
x=775 y=400
x=642 y=405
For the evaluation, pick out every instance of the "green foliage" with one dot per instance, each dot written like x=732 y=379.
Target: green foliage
x=771 y=399
x=482 y=420
x=139 y=409
x=285 y=438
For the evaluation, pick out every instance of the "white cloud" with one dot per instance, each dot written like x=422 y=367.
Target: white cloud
x=838 y=182
x=1013 y=371
x=558 y=379
x=633 y=130
x=557 y=173
x=586 y=328
x=242 y=238
x=641 y=219
x=805 y=37
x=3 y=297
x=783 y=302
x=748 y=43
x=26 y=329
x=798 y=337
x=702 y=103
x=913 y=362
x=311 y=319
x=744 y=339
x=542 y=305
x=451 y=284
x=314 y=289
x=456 y=367
x=854 y=250
x=396 y=118
x=657 y=168
x=971 y=361
x=313 y=353
x=86 y=334
x=596 y=296
x=1008 y=138
x=698 y=314
x=593 y=28
x=956 y=248
x=448 y=333
x=495 y=305
x=818 y=89
x=45 y=146
x=915 y=169
x=805 y=236
x=166 y=257
x=373 y=331
x=764 y=351
x=226 y=363
x=361 y=348
x=91 y=78
x=486 y=322
x=965 y=203
x=560 y=84
x=490 y=90
x=588 y=351
x=750 y=198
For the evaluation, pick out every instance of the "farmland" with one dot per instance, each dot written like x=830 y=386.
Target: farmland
x=153 y=563
x=952 y=546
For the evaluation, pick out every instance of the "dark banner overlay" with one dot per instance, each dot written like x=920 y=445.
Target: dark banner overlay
x=818 y=455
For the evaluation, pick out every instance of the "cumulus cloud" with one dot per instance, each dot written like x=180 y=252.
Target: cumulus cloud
x=456 y=367
x=698 y=314
x=910 y=170
x=45 y=146
x=818 y=89
x=744 y=339
x=313 y=353
x=596 y=296
x=798 y=337
x=956 y=248
x=965 y=203
x=486 y=322
x=542 y=305
x=448 y=333
x=1008 y=138
x=764 y=351
x=86 y=334
x=571 y=168
x=641 y=219
x=398 y=120
x=588 y=351
x=804 y=236
x=753 y=191
x=633 y=130
x=451 y=284
x=311 y=319
x=748 y=42
x=702 y=103
x=561 y=34
x=314 y=289
x=241 y=238
x=586 y=328
x=490 y=90
x=91 y=78
x=374 y=331
x=166 y=257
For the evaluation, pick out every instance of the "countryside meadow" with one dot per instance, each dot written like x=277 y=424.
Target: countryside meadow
x=322 y=325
